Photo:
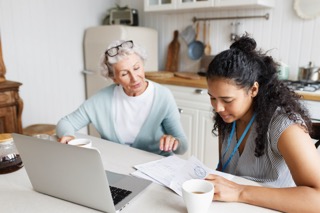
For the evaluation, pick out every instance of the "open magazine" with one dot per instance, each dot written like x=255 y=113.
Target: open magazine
x=172 y=171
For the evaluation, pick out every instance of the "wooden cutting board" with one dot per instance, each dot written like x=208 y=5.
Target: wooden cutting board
x=193 y=76
x=159 y=74
x=168 y=74
x=172 y=63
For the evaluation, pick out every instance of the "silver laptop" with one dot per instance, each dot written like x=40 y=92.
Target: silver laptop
x=75 y=174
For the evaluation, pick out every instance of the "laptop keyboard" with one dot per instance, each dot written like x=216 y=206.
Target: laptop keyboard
x=118 y=194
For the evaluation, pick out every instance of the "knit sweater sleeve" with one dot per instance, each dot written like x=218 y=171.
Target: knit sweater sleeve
x=88 y=112
x=73 y=122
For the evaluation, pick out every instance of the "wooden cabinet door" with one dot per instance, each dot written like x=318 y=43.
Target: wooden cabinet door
x=8 y=118
x=10 y=107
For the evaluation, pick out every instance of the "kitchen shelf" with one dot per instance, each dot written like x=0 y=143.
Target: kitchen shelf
x=187 y=5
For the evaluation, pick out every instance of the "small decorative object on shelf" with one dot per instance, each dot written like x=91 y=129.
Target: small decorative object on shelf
x=121 y=16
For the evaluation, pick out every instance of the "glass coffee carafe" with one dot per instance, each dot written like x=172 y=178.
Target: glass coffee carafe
x=10 y=159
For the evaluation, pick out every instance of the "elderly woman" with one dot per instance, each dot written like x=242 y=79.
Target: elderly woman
x=133 y=111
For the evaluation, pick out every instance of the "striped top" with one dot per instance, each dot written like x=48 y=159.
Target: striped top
x=269 y=169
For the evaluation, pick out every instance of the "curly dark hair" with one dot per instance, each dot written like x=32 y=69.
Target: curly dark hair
x=244 y=65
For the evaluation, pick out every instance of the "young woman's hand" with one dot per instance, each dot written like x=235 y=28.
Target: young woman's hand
x=168 y=143
x=225 y=190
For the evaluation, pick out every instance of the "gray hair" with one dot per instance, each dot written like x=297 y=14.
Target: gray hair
x=106 y=61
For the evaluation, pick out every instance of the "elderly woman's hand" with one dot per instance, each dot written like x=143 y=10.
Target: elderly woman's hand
x=168 y=143
x=65 y=139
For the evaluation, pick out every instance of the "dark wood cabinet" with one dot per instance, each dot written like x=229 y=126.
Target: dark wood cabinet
x=11 y=106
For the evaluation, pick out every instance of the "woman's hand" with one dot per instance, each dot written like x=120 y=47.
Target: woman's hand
x=225 y=190
x=168 y=143
x=65 y=139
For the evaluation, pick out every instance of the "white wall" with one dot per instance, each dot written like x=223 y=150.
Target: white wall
x=42 y=45
x=42 y=48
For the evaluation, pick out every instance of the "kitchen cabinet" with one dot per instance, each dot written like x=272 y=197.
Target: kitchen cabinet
x=196 y=118
x=244 y=3
x=175 y=5
x=159 y=5
x=167 y=5
x=193 y=4
x=313 y=108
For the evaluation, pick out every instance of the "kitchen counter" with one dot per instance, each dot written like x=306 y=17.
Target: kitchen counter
x=201 y=83
x=178 y=81
x=310 y=96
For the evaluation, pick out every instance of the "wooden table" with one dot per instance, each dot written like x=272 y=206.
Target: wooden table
x=17 y=194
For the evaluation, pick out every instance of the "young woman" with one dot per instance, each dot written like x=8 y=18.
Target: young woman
x=133 y=111
x=263 y=133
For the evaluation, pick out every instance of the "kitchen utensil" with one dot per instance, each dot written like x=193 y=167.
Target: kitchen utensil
x=234 y=31
x=207 y=48
x=188 y=34
x=196 y=47
x=173 y=53
x=309 y=73
x=204 y=63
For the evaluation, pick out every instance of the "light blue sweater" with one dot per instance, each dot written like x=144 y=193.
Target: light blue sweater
x=164 y=118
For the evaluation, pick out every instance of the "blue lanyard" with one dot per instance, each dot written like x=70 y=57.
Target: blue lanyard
x=238 y=143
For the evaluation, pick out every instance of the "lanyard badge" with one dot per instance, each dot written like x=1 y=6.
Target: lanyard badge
x=239 y=141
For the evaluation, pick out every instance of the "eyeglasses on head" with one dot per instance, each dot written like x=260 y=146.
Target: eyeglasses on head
x=113 y=51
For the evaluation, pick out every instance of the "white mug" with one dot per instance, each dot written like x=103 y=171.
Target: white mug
x=42 y=136
x=197 y=195
x=82 y=142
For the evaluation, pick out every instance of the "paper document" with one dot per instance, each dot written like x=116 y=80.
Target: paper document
x=172 y=171
x=162 y=170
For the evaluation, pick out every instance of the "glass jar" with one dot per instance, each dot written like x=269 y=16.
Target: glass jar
x=10 y=159
x=283 y=71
